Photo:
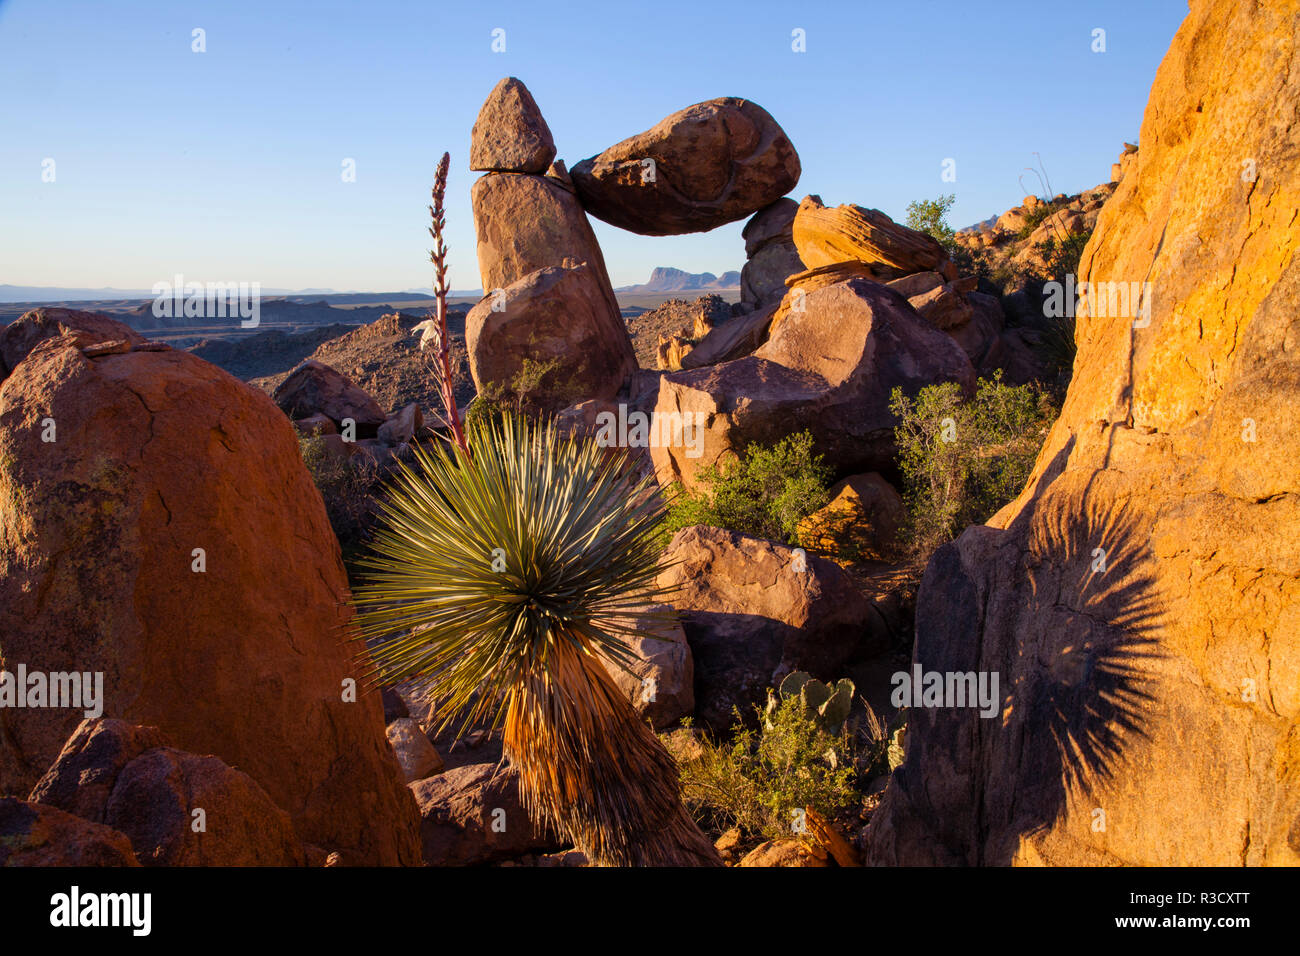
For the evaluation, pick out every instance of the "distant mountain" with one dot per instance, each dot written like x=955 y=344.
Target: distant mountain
x=668 y=279
x=35 y=293
x=42 y=293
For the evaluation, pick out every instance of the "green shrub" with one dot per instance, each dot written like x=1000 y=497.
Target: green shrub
x=1034 y=218
x=766 y=493
x=930 y=216
x=533 y=386
x=1061 y=256
x=765 y=776
x=963 y=459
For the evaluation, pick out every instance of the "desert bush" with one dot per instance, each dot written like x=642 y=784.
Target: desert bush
x=765 y=493
x=496 y=399
x=963 y=459
x=1034 y=218
x=763 y=777
x=345 y=484
x=930 y=216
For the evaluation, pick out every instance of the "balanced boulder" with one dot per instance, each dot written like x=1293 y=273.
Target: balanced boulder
x=709 y=164
x=510 y=134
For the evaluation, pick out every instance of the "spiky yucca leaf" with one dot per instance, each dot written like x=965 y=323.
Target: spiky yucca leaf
x=498 y=576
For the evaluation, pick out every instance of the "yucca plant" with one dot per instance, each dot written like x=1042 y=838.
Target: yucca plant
x=500 y=574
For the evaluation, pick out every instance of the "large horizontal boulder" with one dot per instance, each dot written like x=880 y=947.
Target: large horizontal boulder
x=170 y=542
x=35 y=835
x=526 y=223
x=1140 y=600
x=510 y=135
x=473 y=814
x=314 y=388
x=709 y=164
x=29 y=330
x=825 y=235
x=829 y=367
x=557 y=321
x=753 y=611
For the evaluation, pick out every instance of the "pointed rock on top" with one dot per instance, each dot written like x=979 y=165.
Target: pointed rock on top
x=510 y=134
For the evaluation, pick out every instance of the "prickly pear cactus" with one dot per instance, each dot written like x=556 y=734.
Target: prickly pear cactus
x=828 y=704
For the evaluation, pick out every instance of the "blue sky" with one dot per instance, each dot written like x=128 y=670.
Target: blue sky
x=225 y=165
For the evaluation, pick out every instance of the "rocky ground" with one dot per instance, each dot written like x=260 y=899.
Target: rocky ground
x=385 y=360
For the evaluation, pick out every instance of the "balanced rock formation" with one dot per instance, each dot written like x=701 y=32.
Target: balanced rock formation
x=770 y=253
x=1140 y=600
x=753 y=611
x=709 y=164
x=825 y=236
x=525 y=223
x=829 y=367
x=167 y=537
x=547 y=294
x=510 y=134
x=558 y=321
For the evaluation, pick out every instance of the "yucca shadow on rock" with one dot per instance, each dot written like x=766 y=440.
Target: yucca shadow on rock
x=1087 y=639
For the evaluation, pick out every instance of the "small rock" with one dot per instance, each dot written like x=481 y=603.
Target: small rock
x=414 y=752
x=784 y=853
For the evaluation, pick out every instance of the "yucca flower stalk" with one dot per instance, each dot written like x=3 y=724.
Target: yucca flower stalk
x=501 y=573
x=435 y=327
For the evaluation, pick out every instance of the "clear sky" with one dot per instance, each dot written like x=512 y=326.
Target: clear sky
x=226 y=165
